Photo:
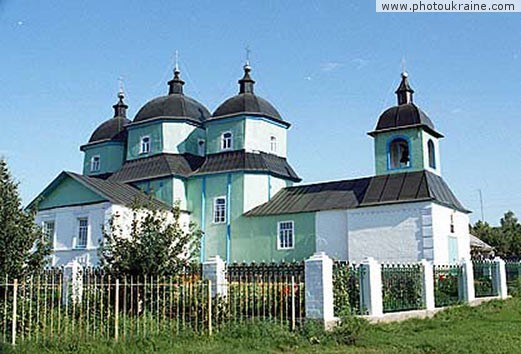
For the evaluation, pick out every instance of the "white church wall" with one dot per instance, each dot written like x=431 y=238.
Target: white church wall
x=255 y=190
x=442 y=232
x=66 y=224
x=258 y=133
x=388 y=233
x=175 y=135
x=180 y=193
x=331 y=233
x=276 y=184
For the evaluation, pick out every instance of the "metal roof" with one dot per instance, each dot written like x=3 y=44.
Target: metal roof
x=187 y=165
x=362 y=192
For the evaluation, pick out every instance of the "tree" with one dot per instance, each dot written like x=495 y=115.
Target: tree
x=506 y=239
x=153 y=244
x=23 y=249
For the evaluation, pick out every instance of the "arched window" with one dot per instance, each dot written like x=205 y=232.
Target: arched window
x=145 y=145
x=273 y=144
x=432 y=154
x=226 y=141
x=399 y=154
x=95 y=163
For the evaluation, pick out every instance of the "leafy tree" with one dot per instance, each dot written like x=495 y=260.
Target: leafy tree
x=23 y=249
x=155 y=243
x=506 y=238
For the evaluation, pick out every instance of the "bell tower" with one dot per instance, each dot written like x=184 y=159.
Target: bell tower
x=405 y=139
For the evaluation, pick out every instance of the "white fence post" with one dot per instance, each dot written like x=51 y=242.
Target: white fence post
x=428 y=284
x=72 y=285
x=214 y=269
x=318 y=273
x=372 y=287
x=500 y=278
x=467 y=292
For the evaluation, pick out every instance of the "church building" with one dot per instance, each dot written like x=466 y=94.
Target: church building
x=230 y=174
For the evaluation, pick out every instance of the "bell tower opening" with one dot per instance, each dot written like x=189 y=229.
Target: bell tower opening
x=399 y=154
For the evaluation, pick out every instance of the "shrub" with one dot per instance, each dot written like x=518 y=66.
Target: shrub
x=350 y=328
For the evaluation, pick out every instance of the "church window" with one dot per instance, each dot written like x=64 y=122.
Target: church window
x=452 y=223
x=226 y=141
x=399 y=156
x=201 y=147
x=432 y=154
x=95 y=163
x=285 y=231
x=145 y=145
x=273 y=144
x=219 y=210
x=83 y=230
x=48 y=231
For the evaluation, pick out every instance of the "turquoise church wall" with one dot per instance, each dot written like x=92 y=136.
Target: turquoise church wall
x=153 y=130
x=69 y=192
x=250 y=238
x=162 y=189
x=112 y=156
x=382 y=141
x=215 y=129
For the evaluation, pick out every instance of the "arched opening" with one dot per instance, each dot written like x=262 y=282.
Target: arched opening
x=226 y=141
x=399 y=154
x=273 y=144
x=432 y=154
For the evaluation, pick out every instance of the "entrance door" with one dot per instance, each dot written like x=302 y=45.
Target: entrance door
x=453 y=249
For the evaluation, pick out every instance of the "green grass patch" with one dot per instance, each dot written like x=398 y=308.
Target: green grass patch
x=492 y=327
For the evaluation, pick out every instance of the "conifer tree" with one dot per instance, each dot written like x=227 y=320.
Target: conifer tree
x=23 y=249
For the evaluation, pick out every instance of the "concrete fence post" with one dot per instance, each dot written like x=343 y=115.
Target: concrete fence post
x=466 y=285
x=371 y=287
x=499 y=278
x=428 y=284
x=214 y=269
x=318 y=271
x=72 y=284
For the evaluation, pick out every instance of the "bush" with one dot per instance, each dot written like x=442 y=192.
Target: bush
x=349 y=330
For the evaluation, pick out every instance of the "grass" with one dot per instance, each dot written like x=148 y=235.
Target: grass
x=491 y=327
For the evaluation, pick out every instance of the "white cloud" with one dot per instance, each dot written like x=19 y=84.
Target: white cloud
x=360 y=63
x=330 y=66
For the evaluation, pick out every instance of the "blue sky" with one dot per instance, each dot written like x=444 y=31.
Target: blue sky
x=330 y=68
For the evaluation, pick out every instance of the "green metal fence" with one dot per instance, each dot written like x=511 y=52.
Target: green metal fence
x=447 y=283
x=484 y=278
x=402 y=287
x=347 y=288
x=264 y=291
x=513 y=273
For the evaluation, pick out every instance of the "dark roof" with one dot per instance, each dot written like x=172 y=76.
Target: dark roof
x=404 y=116
x=158 y=166
x=112 y=129
x=246 y=102
x=363 y=192
x=240 y=160
x=175 y=105
x=186 y=165
x=114 y=192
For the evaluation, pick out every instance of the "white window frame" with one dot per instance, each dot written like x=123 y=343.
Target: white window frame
x=142 y=149
x=95 y=163
x=285 y=244
x=45 y=229
x=273 y=143
x=83 y=230
x=226 y=143
x=219 y=216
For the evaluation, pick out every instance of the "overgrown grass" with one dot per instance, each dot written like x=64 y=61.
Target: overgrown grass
x=493 y=327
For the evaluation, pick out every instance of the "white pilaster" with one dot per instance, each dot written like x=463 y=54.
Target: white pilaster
x=214 y=269
x=467 y=293
x=428 y=284
x=319 y=288
x=500 y=278
x=372 y=287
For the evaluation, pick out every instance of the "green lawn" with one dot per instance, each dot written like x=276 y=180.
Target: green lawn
x=494 y=327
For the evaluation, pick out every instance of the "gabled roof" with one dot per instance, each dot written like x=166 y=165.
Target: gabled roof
x=362 y=192
x=110 y=191
x=188 y=165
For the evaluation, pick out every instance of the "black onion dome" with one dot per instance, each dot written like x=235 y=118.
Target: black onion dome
x=406 y=113
x=174 y=105
x=246 y=102
x=114 y=128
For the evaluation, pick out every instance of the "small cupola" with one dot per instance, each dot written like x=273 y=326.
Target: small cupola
x=176 y=84
x=404 y=91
